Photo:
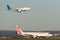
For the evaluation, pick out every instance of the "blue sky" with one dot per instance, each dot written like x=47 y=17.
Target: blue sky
x=44 y=15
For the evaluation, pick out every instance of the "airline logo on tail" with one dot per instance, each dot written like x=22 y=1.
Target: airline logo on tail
x=19 y=31
x=8 y=7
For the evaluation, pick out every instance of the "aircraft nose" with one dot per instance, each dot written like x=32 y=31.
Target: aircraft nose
x=28 y=8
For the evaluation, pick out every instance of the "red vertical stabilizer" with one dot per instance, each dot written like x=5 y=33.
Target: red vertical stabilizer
x=19 y=31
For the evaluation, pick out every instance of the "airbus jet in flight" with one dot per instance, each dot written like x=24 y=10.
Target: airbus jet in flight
x=32 y=34
x=18 y=9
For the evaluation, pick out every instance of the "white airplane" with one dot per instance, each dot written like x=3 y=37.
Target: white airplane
x=32 y=34
x=18 y=9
